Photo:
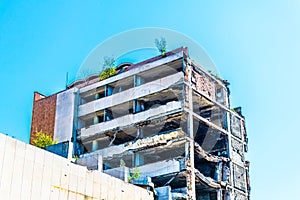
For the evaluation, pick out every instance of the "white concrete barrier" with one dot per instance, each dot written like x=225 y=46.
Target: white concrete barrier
x=28 y=172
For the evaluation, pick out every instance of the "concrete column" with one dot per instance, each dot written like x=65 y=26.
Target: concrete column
x=108 y=90
x=191 y=185
x=70 y=150
x=138 y=80
x=100 y=163
x=219 y=195
x=230 y=156
x=139 y=159
x=133 y=160
x=218 y=170
x=225 y=173
x=96 y=120
x=244 y=166
x=95 y=145
x=138 y=106
x=230 y=148
x=139 y=133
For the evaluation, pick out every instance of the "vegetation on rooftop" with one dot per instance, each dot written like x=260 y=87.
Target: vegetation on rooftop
x=214 y=74
x=109 y=68
x=43 y=140
x=107 y=73
x=134 y=174
x=161 y=45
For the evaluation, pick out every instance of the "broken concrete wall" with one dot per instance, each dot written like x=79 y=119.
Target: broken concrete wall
x=63 y=149
x=203 y=84
x=119 y=172
x=160 y=168
x=237 y=152
x=28 y=172
x=239 y=177
x=236 y=126
x=91 y=161
x=239 y=196
x=130 y=94
x=157 y=140
x=130 y=119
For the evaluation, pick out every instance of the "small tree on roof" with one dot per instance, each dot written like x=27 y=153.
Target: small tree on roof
x=161 y=45
x=43 y=140
x=109 y=68
x=109 y=62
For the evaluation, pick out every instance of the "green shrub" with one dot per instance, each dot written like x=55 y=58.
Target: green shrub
x=43 y=139
x=135 y=174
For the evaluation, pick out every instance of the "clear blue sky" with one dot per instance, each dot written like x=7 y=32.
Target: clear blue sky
x=255 y=45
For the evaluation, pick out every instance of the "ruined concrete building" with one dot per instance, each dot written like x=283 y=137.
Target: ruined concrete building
x=164 y=124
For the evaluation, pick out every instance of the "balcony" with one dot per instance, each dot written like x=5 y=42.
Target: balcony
x=131 y=94
x=174 y=106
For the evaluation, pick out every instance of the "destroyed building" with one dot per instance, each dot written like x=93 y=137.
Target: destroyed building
x=165 y=117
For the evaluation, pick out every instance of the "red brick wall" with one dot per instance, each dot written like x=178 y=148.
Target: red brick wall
x=43 y=114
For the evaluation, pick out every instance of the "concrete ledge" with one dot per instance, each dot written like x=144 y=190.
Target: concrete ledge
x=120 y=173
x=130 y=94
x=139 y=144
x=134 y=71
x=160 y=168
x=129 y=119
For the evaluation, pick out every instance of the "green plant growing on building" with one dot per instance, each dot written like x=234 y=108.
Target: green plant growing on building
x=43 y=140
x=107 y=73
x=134 y=174
x=109 y=68
x=233 y=110
x=161 y=45
x=214 y=74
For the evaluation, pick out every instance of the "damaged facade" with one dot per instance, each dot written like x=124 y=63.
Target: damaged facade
x=167 y=117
